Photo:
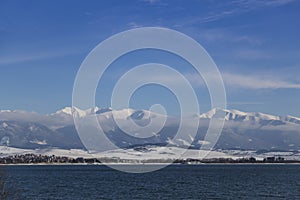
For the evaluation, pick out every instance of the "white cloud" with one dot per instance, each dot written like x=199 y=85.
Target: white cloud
x=254 y=4
x=151 y=1
x=248 y=39
x=239 y=7
x=245 y=81
x=252 y=54
x=155 y=2
x=15 y=58
x=217 y=16
x=134 y=25
x=257 y=82
x=231 y=80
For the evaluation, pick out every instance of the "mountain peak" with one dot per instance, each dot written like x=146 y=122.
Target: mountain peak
x=236 y=115
x=65 y=110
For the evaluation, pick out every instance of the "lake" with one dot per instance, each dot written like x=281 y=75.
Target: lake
x=174 y=182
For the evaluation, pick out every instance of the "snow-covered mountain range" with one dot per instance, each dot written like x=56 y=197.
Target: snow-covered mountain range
x=242 y=130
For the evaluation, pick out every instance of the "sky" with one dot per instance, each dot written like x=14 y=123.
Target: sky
x=255 y=45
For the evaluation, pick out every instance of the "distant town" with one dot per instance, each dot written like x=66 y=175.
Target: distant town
x=46 y=159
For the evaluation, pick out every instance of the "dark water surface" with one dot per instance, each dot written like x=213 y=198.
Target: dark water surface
x=173 y=182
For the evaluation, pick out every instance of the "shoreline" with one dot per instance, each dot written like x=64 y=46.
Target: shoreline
x=139 y=164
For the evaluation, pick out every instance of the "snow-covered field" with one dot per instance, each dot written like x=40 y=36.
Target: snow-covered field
x=72 y=153
x=288 y=155
x=151 y=152
x=140 y=154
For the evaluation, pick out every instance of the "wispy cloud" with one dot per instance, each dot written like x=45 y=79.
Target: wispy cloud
x=237 y=7
x=238 y=103
x=21 y=57
x=248 y=39
x=252 y=54
x=255 y=4
x=278 y=2
x=14 y=59
x=257 y=82
x=231 y=80
x=223 y=34
x=217 y=16
x=155 y=2
x=151 y=1
x=134 y=25
x=253 y=82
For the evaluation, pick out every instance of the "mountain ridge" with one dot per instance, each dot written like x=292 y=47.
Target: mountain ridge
x=244 y=130
x=98 y=110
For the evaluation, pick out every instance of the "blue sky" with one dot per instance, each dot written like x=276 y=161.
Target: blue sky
x=255 y=45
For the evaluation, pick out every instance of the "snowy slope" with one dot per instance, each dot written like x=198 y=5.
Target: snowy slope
x=242 y=130
x=150 y=152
